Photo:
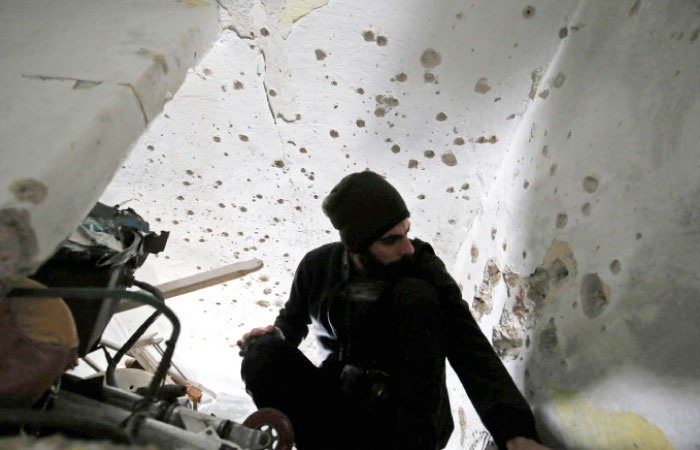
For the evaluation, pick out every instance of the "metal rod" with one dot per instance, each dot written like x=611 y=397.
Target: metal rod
x=102 y=294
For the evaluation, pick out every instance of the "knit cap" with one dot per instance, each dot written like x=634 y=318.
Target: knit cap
x=364 y=206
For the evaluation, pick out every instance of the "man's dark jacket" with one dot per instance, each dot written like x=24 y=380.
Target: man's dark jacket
x=503 y=410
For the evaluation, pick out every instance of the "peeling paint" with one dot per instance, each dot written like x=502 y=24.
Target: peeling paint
x=483 y=299
x=294 y=10
x=555 y=275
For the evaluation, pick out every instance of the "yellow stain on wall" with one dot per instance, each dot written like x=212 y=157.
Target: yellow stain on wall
x=589 y=427
x=296 y=9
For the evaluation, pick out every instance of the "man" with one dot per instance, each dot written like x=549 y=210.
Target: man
x=386 y=314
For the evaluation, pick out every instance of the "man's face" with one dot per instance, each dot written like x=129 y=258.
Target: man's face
x=390 y=256
x=393 y=245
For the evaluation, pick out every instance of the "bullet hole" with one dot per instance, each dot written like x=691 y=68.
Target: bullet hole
x=529 y=12
x=494 y=232
x=594 y=295
x=441 y=117
x=505 y=246
x=544 y=94
x=524 y=254
x=510 y=117
x=219 y=182
x=559 y=80
x=421 y=197
x=280 y=201
x=430 y=58
x=243 y=209
x=302 y=150
x=189 y=172
x=586 y=209
x=29 y=190
x=452 y=221
x=217 y=139
x=465 y=186
x=360 y=123
x=482 y=86
x=190 y=212
x=429 y=77
x=412 y=164
x=264 y=31
x=263 y=303
x=590 y=183
x=526 y=184
x=180 y=197
x=429 y=154
x=279 y=163
x=237 y=85
x=243 y=137
x=402 y=77
x=484 y=140
x=259 y=196
x=459 y=141
x=320 y=54
x=176 y=222
x=380 y=112
x=635 y=8
x=334 y=133
x=548 y=338
x=563 y=32
x=450 y=190
x=221 y=205
x=562 y=220
x=693 y=38
x=395 y=148
x=552 y=169
x=449 y=159
x=474 y=253
x=334 y=83
x=368 y=35
x=615 y=266
x=186 y=183
x=273 y=93
x=382 y=41
x=360 y=91
x=638 y=236
x=150 y=148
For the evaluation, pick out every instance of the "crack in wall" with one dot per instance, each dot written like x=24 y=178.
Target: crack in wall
x=79 y=82
x=87 y=84
x=138 y=99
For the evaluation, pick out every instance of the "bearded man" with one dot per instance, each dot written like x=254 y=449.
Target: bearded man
x=386 y=315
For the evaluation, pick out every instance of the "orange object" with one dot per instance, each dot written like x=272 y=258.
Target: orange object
x=39 y=342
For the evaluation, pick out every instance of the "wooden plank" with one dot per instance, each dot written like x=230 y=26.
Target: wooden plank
x=200 y=281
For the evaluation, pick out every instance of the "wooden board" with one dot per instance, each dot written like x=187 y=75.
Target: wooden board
x=200 y=281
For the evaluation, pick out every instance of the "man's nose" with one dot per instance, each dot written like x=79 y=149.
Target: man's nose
x=407 y=247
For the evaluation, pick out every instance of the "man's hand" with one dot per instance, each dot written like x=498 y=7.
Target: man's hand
x=256 y=332
x=521 y=443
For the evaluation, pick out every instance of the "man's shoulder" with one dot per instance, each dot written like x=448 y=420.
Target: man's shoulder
x=325 y=252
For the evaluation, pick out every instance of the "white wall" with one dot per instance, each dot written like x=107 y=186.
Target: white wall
x=562 y=184
x=598 y=202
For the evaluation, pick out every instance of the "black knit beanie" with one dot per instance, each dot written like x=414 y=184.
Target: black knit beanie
x=364 y=206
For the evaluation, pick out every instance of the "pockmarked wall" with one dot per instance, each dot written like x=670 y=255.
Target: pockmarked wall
x=583 y=265
x=297 y=94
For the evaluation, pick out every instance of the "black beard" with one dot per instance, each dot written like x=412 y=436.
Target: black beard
x=391 y=271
